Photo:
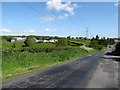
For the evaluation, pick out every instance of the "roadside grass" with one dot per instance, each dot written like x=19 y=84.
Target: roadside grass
x=21 y=62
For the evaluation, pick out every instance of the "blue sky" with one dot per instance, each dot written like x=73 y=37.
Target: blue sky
x=60 y=18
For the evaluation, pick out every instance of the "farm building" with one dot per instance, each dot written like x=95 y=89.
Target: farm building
x=48 y=41
x=53 y=41
x=40 y=41
x=18 y=39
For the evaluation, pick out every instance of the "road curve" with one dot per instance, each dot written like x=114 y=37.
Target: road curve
x=92 y=71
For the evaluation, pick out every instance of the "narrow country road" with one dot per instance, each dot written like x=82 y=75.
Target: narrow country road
x=92 y=71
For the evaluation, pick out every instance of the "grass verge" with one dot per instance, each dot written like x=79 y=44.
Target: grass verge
x=20 y=63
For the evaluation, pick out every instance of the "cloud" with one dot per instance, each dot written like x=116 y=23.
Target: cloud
x=50 y=30
x=63 y=16
x=53 y=18
x=48 y=19
x=117 y=4
x=5 y=30
x=30 y=31
x=9 y=22
x=58 y=5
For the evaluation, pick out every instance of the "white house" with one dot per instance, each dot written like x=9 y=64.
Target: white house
x=18 y=39
x=40 y=41
x=53 y=41
x=48 y=41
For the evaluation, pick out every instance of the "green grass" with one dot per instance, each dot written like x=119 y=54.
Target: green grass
x=16 y=62
x=85 y=42
x=19 y=62
x=76 y=43
x=6 y=44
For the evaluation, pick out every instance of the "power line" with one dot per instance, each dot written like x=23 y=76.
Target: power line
x=32 y=8
x=53 y=13
x=41 y=13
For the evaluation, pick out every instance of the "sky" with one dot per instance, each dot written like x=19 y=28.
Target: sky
x=56 y=18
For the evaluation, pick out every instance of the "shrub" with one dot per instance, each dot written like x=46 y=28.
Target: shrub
x=117 y=49
x=62 y=42
x=29 y=42
x=14 y=45
x=94 y=44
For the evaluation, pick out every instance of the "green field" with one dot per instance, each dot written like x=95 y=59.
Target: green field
x=6 y=44
x=85 y=42
x=18 y=45
x=23 y=59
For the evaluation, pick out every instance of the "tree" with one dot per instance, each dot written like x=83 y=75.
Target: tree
x=72 y=37
x=85 y=38
x=7 y=38
x=102 y=42
x=117 y=49
x=77 y=37
x=62 y=42
x=97 y=37
x=23 y=36
x=29 y=42
x=111 y=41
x=93 y=43
x=56 y=37
x=39 y=38
x=80 y=37
x=68 y=37
x=92 y=39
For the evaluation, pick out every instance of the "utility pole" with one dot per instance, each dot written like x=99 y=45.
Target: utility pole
x=87 y=32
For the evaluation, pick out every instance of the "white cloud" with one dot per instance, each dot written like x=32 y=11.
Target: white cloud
x=58 y=5
x=50 y=30
x=48 y=19
x=117 y=4
x=75 y=5
x=63 y=16
x=30 y=31
x=9 y=22
x=5 y=30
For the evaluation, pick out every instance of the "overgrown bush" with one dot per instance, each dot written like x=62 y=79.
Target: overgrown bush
x=30 y=42
x=117 y=49
x=11 y=51
x=62 y=42
x=94 y=44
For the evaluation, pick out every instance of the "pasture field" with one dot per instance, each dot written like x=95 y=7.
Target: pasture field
x=18 y=45
x=85 y=42
x=23 y=59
